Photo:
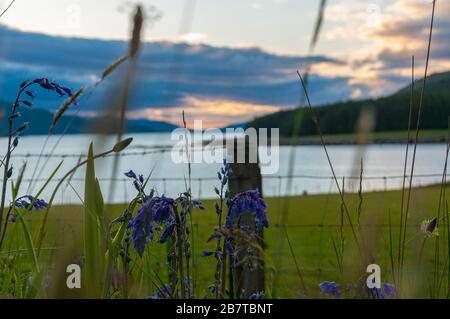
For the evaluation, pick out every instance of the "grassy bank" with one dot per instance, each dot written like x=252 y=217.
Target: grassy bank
x=387 y=137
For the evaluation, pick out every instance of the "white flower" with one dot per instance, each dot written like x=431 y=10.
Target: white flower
x=429 y=228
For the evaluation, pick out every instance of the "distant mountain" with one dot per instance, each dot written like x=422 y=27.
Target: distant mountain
x=390 y=112
x=234 y=126
x=41 y=119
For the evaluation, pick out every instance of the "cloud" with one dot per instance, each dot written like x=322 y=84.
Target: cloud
x=213 y=112
x=388 y=36
x=404 y=32
x=193 y=38
x=170 y=76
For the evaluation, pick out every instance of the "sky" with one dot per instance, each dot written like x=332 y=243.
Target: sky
x=223 y=61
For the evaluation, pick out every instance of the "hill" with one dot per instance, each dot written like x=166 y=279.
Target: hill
x=41 y=119
x=390 y=112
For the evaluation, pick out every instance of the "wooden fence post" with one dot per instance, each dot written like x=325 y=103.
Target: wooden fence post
x=246 y=176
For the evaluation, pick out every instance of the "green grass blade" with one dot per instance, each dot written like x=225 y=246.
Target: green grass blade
x=49 y=179
x=94 y=241
x=29 y=242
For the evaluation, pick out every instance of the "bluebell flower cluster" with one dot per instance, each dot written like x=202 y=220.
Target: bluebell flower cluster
x=258 y=295
x=49 y=86
x=187 y=204
x=159 y=211
x=188 y=286
x=44 y=83
x=163 y=293
x=138 y=181
x=26 y=98
x=158 y=214
x=29 y=202
x=330 y=288
x=387 y=290
x=248 y=202
x=225 y=173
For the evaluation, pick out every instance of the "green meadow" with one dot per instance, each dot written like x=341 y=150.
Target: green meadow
x=313 y=223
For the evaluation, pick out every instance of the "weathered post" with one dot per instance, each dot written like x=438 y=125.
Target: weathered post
x=246 y=175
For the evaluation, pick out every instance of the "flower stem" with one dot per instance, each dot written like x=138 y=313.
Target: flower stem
x=7 y=159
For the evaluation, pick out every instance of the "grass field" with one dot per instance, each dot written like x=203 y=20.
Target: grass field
x=379 y=137
x=312 y=222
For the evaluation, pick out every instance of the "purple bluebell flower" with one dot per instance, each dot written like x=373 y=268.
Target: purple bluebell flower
x=251 y=236
x=30 y=94
x=248 y=202
x=258 y=295
x=377 y=293
x=130 y=174
x=229 y=247
x=44 y=83
x=224 y=180
x=138 y=181
x=49 y=86
x=9 y=172
x=386 y=290
x=189 y=287
x=27 y=103
x=29 y=202
x=168 y=232
x=197 y=204
x=207 y=253
x=68 y=91
x=163 y=293
x=164 y=209
x=156 y=210
x=389 y=290
x=330 y=288
x=15 y=141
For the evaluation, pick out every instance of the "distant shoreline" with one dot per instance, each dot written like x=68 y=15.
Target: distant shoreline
x=383 y=138
x=286 y=141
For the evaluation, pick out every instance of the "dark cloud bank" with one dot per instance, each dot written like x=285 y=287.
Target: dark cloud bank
x=168 y=72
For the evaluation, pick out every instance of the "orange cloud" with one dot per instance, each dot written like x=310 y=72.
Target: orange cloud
x=215 y=113
x=387 y=36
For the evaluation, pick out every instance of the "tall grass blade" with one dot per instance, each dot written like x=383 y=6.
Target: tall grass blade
x=411 y=105
x=94 y=239
x=29 y=243
x=7 y=8
x=419 y=115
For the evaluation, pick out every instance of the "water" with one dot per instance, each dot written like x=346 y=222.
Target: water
x=312 y=172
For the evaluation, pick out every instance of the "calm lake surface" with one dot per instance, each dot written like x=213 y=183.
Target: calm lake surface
x=383 y=167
